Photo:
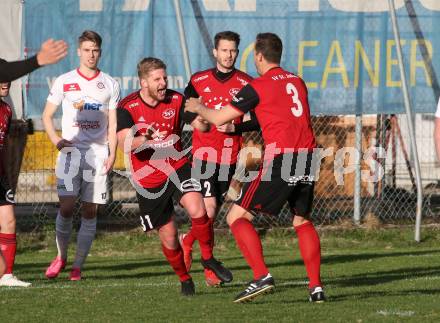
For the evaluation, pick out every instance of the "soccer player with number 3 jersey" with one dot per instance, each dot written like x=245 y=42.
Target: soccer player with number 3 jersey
x=280 y=101
x=87 y=148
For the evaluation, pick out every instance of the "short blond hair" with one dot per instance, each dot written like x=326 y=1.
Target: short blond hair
x=148 y=64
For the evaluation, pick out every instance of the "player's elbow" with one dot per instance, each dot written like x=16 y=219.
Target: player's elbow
x=45 y=118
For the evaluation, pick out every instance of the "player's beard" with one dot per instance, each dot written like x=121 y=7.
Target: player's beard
x=158 y=94
x=227 y=64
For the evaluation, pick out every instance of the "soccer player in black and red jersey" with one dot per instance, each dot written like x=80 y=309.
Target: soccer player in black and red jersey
x=150 y=123
x=280 y=101
x=8 y=242
x=215 y=151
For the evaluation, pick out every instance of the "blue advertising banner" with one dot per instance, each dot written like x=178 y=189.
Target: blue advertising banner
x=344 y=49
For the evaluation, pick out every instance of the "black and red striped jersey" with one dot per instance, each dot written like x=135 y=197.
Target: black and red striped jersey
x=216 y=92
x=163 y=119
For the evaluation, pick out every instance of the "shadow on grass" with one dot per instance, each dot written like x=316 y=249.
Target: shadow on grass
x=111 y=268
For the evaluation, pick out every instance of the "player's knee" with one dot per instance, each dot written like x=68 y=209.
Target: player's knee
x=66 y=211
x=210 y=206
x=193 y=204
x=232 y=217
x=168 y=238
x=299 y=220
x=211 y=211
x=237 y=212
x=196 y=210
x=170 y=242
x=88 y=211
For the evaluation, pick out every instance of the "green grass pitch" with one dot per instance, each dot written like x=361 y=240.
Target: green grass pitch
x=369 y=276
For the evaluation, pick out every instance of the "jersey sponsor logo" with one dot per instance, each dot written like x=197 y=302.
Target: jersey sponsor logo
x=10 y=196
x=87 y=103
x=207 y=89
x=303 y=179
x=190 y=185
x=168 y=114
x=86 y=124
x=160 y=143
x=141 y=119
x=82 y=105
x=71 y=87
x=132 y=105
x=242 y=81
x=159 y=135
x=234 y=91
x=100 y=85
x=235 y=99
x=92 y=106
x=200 y=78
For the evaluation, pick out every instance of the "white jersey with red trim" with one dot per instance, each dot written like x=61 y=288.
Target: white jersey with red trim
x=85 y=104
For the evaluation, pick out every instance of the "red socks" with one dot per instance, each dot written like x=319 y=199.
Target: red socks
x=310 y=249
x=250 y=245
x=8 y=246
x=211 y=228
x=202 y=231
x=190 y=239
x=175 y=258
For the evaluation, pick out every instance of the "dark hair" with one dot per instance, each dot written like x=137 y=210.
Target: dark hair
x=3 y=60
x=148 y=64
x=90 y=35
x=227 y=35
x=270 y=45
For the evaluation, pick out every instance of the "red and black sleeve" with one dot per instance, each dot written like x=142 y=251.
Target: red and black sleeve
x=250 y=125
x=190 y=91
x=246 y=100
x=124 y=119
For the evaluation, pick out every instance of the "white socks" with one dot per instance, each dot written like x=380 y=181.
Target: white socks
x=86 y=235
x=63 y=229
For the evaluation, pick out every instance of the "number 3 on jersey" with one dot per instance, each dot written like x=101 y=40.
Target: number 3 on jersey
x=147 y=218
x=297 y=110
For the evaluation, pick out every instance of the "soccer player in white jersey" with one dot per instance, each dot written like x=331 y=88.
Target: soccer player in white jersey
x=87 y=148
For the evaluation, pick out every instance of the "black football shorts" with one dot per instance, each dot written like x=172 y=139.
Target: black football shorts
x=7 y=195
x=156 y=204
x=214 y=178
x=287 y=178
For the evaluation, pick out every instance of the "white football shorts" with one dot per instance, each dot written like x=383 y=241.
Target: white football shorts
x=80 y=172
